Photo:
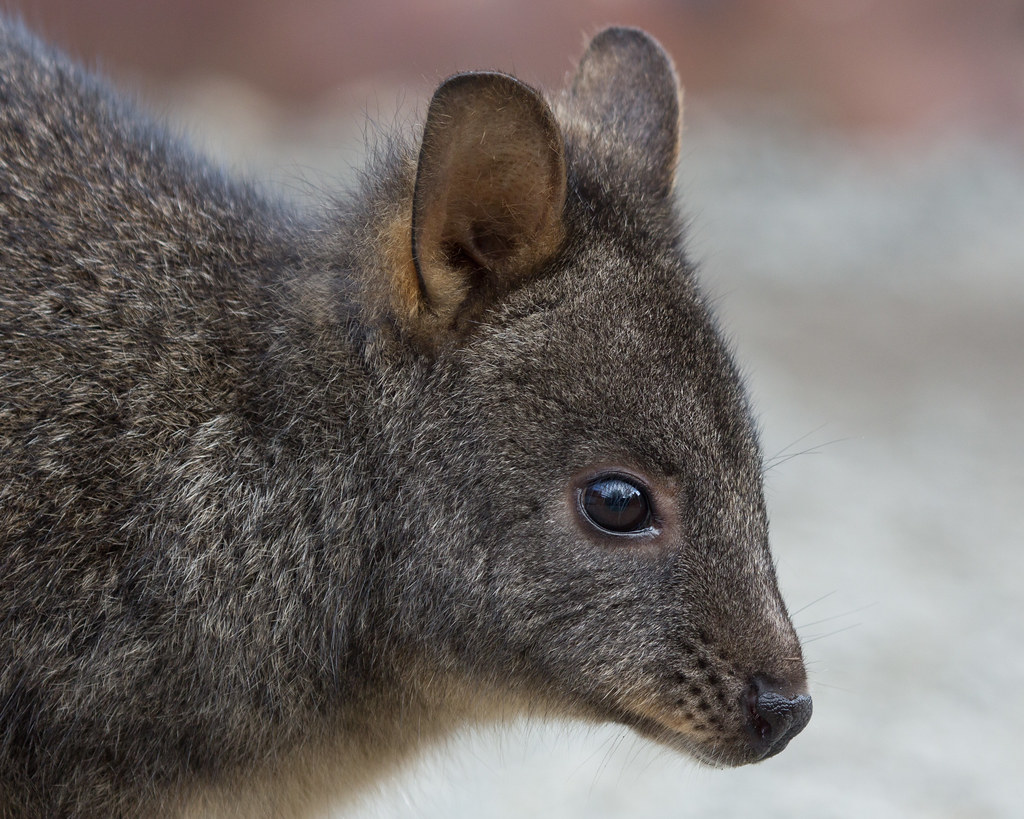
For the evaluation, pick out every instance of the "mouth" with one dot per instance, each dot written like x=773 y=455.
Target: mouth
x=739 y=725
x=769 y=721
x=720 y=751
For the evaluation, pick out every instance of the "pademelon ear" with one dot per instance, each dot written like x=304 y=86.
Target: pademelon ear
x=626 y=93
x=487 y=205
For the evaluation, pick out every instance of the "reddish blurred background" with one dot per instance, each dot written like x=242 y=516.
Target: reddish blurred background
x=891 y=66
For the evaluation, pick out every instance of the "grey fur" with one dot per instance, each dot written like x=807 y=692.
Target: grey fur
x=266 y=528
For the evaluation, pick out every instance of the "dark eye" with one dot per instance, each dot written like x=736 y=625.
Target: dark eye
x=616 y=505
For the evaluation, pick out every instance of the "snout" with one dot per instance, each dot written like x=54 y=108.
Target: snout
x=775 y=717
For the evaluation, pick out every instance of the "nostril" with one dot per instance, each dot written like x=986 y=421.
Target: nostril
x=774 y=717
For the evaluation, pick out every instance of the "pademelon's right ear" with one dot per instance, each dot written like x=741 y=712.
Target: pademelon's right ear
x=487 y=205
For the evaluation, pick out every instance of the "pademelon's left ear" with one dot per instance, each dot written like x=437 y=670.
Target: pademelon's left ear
x=627 y=94
x=490 y=189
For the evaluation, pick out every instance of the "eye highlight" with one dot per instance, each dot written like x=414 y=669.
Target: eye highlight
x=616 y=504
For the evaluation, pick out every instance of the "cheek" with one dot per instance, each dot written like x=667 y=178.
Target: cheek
x=551 y=564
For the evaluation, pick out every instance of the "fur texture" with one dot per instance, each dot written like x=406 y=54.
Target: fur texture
x=280 y=502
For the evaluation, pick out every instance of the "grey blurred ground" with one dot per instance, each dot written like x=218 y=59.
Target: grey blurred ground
x=875 y=294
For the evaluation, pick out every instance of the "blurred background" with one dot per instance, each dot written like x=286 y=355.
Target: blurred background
x=854 y=173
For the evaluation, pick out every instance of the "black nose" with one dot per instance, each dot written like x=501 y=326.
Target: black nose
x=774 y=717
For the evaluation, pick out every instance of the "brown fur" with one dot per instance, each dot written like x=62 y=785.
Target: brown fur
x=281 y=502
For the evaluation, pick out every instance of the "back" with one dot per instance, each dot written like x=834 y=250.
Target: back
x=131 y=296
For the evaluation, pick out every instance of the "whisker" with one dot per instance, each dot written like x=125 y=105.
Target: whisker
x=830 y=633
x=813 y=603
x=818 y=684
x=792 y=444
x=836 y=616
x=607 y=757
x=780 y=459
x=784 y=454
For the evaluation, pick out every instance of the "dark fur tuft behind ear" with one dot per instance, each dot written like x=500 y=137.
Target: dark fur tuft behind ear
x=626 y=92
x=487 y=206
